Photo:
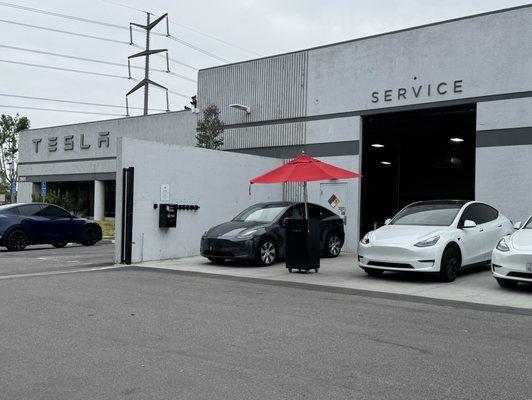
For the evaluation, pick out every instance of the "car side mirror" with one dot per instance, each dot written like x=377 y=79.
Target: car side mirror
x=469 y=224
x=283 y=222
x=387 y=222
x=518 y=225
x=71 y=216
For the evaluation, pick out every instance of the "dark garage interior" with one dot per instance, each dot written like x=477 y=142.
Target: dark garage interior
x=413 y=156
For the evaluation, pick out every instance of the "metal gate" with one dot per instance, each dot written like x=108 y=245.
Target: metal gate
x=128 y=177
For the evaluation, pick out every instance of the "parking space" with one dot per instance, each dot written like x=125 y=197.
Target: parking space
x=472 y=286
x=45 y=258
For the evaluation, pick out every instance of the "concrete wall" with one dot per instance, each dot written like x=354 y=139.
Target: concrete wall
x=488 y=54
x=99 y=158
x=503 y=179
x=503 y=170
x=217 y=181
x=477 y=59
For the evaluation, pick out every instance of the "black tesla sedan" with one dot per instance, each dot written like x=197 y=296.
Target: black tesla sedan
x=258 y=233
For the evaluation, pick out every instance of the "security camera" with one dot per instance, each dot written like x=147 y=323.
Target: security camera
x=241 y=107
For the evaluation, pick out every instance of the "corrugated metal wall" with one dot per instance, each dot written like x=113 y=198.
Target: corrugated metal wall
x=293 y=191
x=274 y=88
x=264 y=136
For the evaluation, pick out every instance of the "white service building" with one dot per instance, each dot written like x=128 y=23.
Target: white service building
x=438 y=111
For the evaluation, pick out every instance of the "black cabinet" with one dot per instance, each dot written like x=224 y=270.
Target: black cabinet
x=167 y=215
x=302 y=244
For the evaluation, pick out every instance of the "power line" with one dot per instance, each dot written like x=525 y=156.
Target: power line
x=190 y=29
x=74 y=102
x=198 y=49
x=125 y=6
x=79 y=71
x=107 y=24
x=55 y=14
x=45 y=28
x=61 y=110
x=82 y=72
x=92 y=60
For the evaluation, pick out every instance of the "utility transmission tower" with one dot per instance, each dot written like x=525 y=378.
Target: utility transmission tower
x=146 y=82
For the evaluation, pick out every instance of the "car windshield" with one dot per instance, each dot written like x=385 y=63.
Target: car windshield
x=260 y=213
x=428 y=214
x=528 y=224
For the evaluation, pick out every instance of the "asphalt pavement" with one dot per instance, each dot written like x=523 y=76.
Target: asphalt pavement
x=140 y=333
x=46 y=258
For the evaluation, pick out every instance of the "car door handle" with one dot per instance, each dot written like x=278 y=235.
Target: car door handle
x=482 y=230
x=499 y=226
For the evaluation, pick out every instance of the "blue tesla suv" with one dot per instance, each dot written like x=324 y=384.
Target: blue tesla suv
x=41 y=223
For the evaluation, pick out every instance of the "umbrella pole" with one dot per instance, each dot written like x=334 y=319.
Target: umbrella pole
x=305 y=196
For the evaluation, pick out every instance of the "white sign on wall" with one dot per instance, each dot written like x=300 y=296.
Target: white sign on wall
x=165 y=192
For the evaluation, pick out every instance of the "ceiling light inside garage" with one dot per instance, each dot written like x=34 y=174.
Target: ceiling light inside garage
x=377 y=145
x=386 y=163
x=457 y=139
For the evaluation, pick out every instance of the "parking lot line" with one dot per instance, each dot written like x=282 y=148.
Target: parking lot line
x=50 y=273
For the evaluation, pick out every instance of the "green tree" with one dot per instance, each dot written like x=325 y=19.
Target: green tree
x=9 y=131
x=210 y=129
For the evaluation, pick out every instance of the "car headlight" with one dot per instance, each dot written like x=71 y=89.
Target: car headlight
x=428 y=242
x=247 y=233
x=365 y=239
x=502 y=245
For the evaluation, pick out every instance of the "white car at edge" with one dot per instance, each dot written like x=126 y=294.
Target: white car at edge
x=440 y=236
x=511 y=260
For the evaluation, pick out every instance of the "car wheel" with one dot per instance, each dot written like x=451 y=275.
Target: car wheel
x=90 y=236
x=450 y=264
x=373 y=272
x=506 y=283
x=59 y=245
x=17 y=240
x=266 y=252
x=333 y=245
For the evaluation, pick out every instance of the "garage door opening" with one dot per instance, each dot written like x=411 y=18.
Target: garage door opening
x=414 y=156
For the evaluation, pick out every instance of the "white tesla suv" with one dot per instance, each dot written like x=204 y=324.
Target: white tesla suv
x=434 y=236
x=511 y=260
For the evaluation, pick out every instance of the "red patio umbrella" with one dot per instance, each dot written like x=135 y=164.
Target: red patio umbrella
x=304 y=169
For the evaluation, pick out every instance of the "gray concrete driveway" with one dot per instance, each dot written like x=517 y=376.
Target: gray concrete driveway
x=43 y=259
x=135 y=333
x=475 y=286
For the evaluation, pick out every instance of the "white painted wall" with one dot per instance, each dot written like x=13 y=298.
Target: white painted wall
x=215 y=180
x=503 y=172
x=490 y=54
x=503 y=179
x=24 y=192
x=505 y=114
x=174 y=128
x=353 y=191
x=334 y=130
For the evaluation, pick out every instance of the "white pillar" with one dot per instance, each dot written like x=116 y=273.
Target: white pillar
x=99 y=200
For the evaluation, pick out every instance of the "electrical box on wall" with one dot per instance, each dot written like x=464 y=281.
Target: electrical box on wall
x=167 y=215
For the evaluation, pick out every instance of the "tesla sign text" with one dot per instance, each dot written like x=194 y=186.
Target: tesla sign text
x=437 y=89
x=69 y=142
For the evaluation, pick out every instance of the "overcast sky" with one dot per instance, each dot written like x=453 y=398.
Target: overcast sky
x=253 y=28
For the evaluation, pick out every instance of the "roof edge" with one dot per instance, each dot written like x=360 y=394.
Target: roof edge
x=106 y=120
x=499 y=11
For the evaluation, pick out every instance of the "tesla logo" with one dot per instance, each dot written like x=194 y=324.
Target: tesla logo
x=69 y=142
x=415 y=91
